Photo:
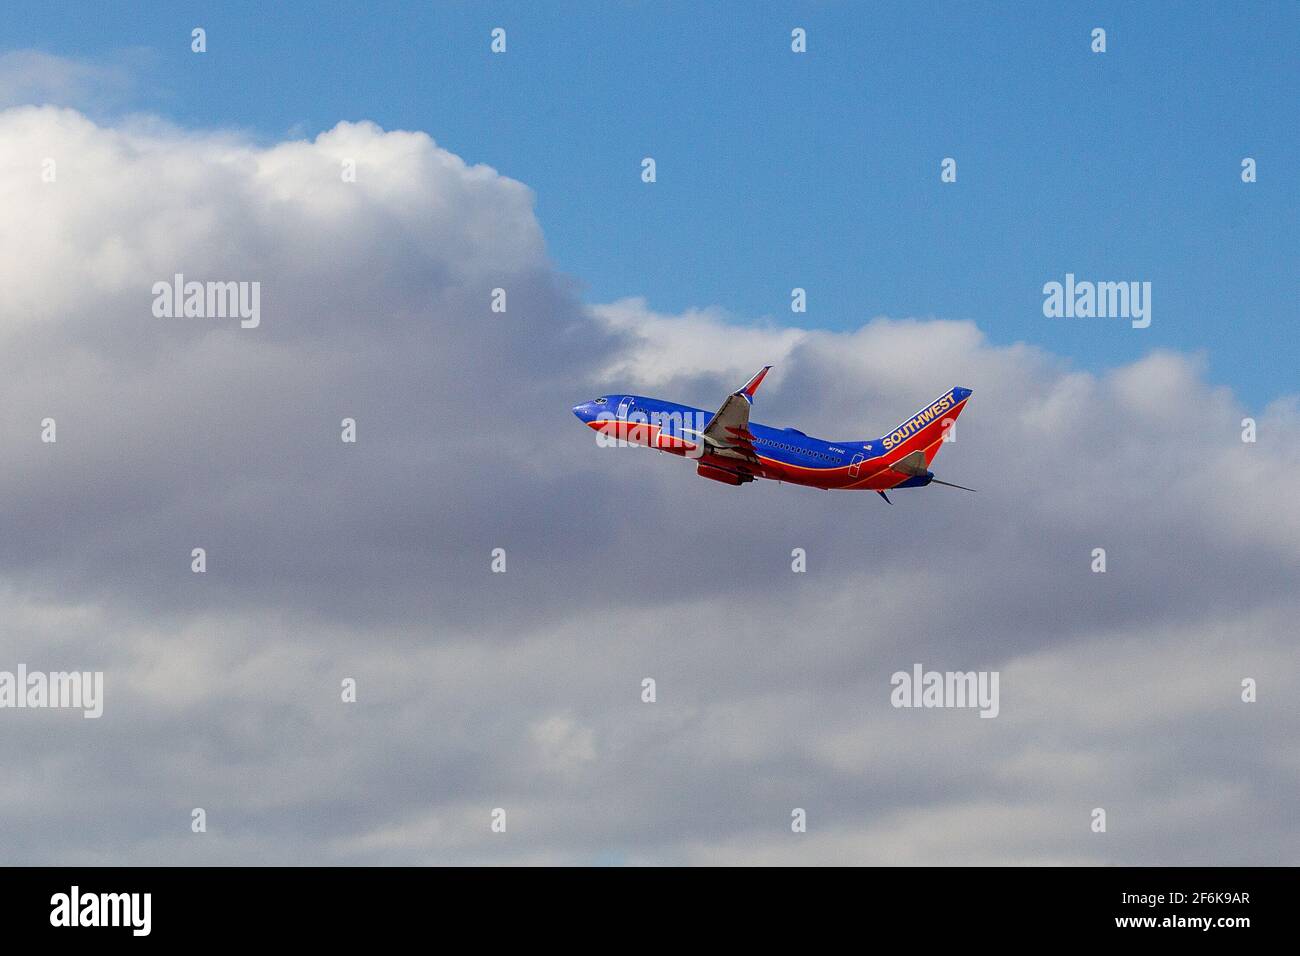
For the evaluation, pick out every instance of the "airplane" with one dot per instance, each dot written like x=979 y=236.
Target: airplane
x=731 y=449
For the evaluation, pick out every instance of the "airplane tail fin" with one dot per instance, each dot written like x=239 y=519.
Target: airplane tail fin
x=922 y=434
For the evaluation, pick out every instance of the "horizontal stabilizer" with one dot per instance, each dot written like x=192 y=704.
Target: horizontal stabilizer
x=949 y=484
x=913 y=464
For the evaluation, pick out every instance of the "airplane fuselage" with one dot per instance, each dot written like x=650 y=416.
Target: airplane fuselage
x=779 y=454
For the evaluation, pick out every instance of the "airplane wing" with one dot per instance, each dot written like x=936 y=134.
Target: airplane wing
x=727 y=433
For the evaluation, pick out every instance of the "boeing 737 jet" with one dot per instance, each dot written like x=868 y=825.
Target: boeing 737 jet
x=733 y=450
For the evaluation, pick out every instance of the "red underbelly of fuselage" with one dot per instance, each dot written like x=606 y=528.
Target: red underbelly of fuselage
x=867 y=476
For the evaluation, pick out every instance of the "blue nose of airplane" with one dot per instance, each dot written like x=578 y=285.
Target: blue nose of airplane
x=585 y=412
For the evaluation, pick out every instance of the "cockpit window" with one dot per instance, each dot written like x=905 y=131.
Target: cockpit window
x=600 y=401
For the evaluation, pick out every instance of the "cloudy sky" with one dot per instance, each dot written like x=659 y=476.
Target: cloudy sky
x=523 y=690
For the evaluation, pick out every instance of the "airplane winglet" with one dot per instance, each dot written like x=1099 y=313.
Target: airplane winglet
x=752 y=385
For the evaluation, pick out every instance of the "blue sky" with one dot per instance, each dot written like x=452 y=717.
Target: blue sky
x=777 y=170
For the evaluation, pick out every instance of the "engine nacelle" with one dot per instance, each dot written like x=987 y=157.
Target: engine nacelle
x=722 y=475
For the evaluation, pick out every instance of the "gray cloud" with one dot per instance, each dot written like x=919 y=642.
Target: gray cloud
x=35 y=76
x=521 y=690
